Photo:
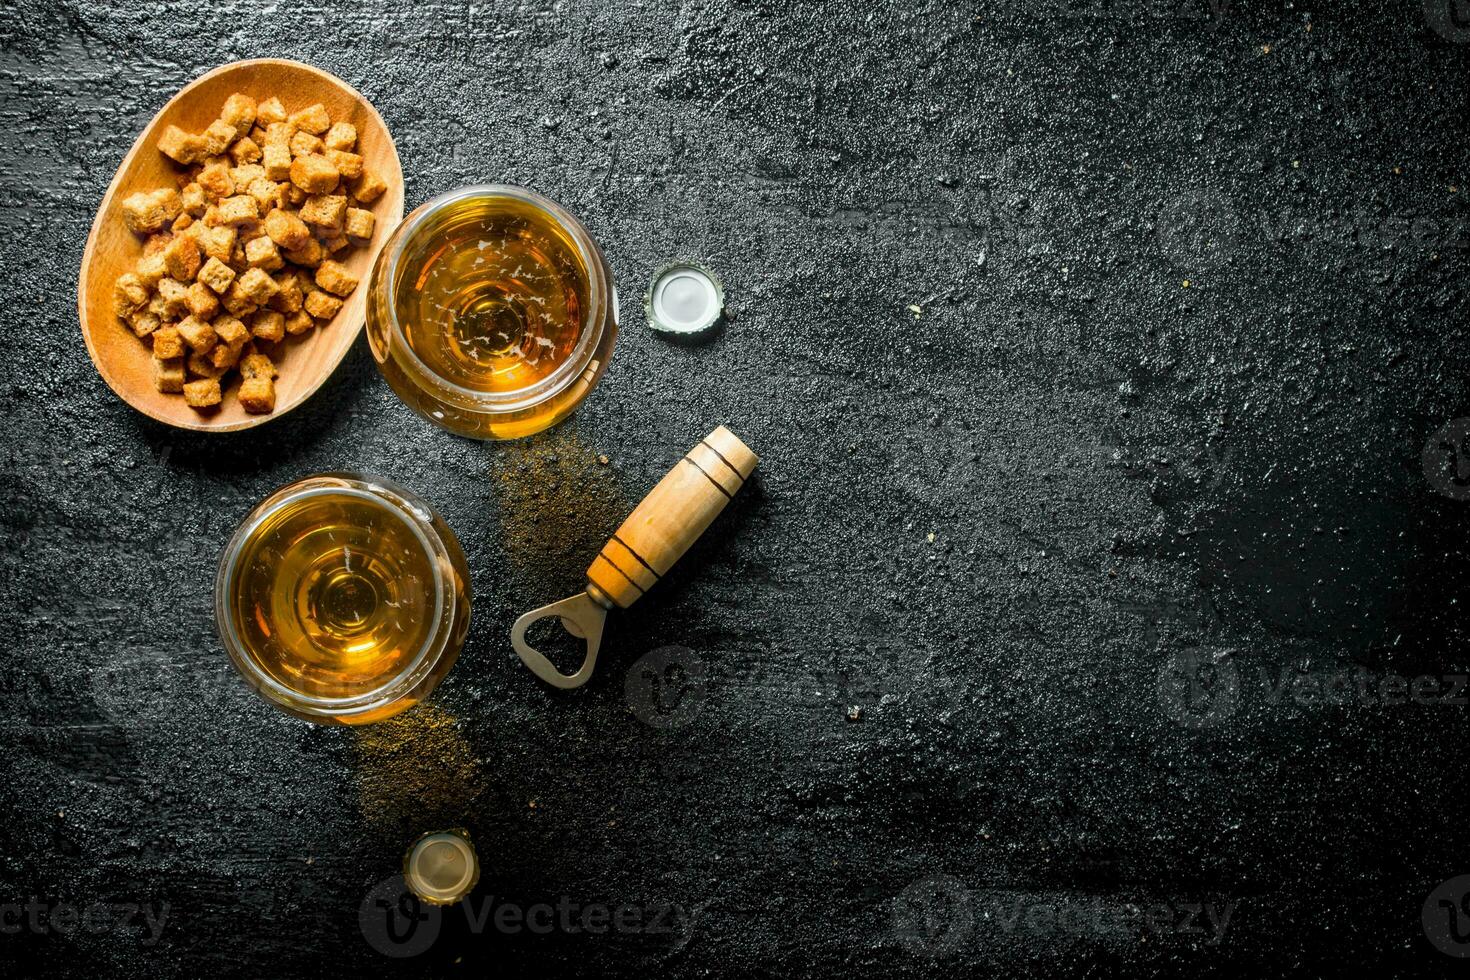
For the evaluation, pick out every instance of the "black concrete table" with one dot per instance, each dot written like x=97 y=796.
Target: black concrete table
x=1098 y=605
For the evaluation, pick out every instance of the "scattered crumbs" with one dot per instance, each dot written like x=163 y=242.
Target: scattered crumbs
x=915 y=309
x=854 y=713
x=1185 y=284
x=1398 y=170
x=1265 y=49
x=532 y=804
x=931 y=537
x=311 y=860
x=1454 y=189
x=602 y=460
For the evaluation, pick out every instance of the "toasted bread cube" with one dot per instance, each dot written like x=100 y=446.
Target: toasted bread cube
x=309 y=255
x=143 y=322
x=313 y=119
x=270 y=111
x=276 y=159
x=201 y=365
x=261 y=253
x=217 y=182
x=299 y=322
x=349 y=165
x=289 y=297
x=193 y=200
x=258 y=395
x=168 y=373
x=326 y=211
x=266 y=193
x=167 y=343
x=148 y=211
x=342 y=136
x=334 y=277
x=129 y=294
x=259 y=286
x=174 y=296
x=217 y=243
x=223 y=356
x=321 y=305
x=303 y=144
x=237 y=301
x=286 y=228
x=231 y=332
x=181 y=258
x=238 y=209
x=150 y=269
x=202 y=301
x=239 y=111
x=203 y=393
x=359 y=224
x=369 y=187
x=336 y=243
x=181 y=147
x=268 y=325
x=183 y=222
x=210 y=217
x=256 y=365
x=295 y=196
x=244 y=151
x=199 y=335
x=216 y=275
x=314 y=174
x=218 y=137
x=246 y=174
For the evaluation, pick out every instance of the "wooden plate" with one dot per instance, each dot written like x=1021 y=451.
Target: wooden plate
x=124 y=361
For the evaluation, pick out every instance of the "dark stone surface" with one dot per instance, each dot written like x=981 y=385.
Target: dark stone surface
x=1014 y=472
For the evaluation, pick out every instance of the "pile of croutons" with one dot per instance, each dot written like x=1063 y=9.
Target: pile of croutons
x=240 y=254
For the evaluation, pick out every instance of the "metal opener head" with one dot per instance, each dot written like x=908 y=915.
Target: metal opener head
x=582 y=616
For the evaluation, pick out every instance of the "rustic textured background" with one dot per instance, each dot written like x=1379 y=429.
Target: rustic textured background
x=1096 y=353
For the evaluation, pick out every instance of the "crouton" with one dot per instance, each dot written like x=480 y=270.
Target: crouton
x=168 y=373
x=151 y=268
x=244 y=151
x=349 y=165
x=148 y=212
x=217 y=182
x=258 y=395
x=294 y=195
x=369 y=187
x=231 y=332
x=216 y=275
x=321 y=306
x=326 y=211
x=144 y=322
x=335 y=244
x=238 y=209
x=270 y=111
x=237 y=301
x=200 y=336
x=181 y=147
x=174 y=297
x=167 y=343
x=313 y=119
x=239 y=112
x=256 y=365
x=181 y=258
x=203 y=393
x=276 y=159
x=299 y=322
x=289 y=297
x=202 y=301
x=246 y=174
x=304 y=144
x=359 y=225
x=314 y=173
x=193 y=200
x=309 y=255
x=218 y=137
x=261 y=253
x=286 y=228
x=223 y=357
x=269 y=325
x=128 y=294
x=258 y=285
x=342 y=136
x=268 y=194
x=217 y=243
x=334 y=277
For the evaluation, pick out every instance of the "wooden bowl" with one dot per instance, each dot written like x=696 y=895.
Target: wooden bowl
x=124 y=361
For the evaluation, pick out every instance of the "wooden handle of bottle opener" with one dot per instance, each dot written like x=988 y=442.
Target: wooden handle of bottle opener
x=672 y=516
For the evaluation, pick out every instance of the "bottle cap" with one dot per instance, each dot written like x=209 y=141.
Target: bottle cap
x=441 y=867
x=685 y=298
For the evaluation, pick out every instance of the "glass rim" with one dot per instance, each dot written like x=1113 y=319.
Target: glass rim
x=593 y=322
x=385 y=494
